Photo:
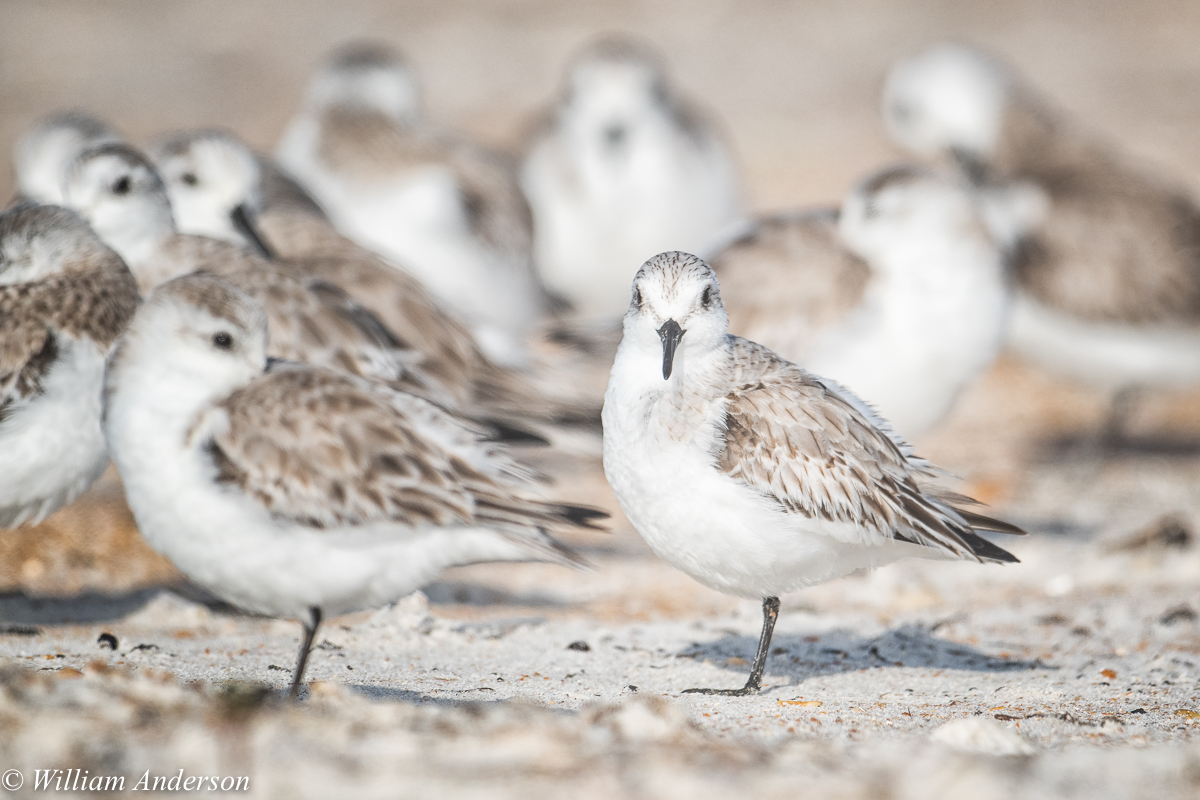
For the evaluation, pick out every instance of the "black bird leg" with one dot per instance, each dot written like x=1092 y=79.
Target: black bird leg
x=310 y=632
x=754 y=682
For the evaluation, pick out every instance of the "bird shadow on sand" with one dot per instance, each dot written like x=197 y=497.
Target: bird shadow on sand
x=800 y=656
x=18 y=609
x=473 y=594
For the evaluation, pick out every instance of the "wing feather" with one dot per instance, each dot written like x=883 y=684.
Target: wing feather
x=812 y=447
x=327 y=450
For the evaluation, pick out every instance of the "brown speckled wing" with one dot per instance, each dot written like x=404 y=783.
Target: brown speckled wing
x=799 y=442
x=325 y=450
x=94 y=298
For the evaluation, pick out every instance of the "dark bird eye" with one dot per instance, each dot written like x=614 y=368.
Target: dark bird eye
x=222 y=341
x=121 y=186
x=637 y=297
x=706 y=299
x=189 y=178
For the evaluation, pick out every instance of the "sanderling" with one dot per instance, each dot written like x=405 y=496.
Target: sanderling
x=42 y=155
x=217 y=184
x=64 y=299
x=124 y=199
x=622 y=168
x=1104 y=254
x=751 y=475
x=301 y=492
x=440 y=207
x=901 y=296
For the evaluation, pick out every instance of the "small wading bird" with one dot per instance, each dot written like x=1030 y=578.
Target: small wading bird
x=64 y=299
x=902 y=295
x=296 y=491
x=446 y=210
x=1106 y=255
x=751 y=475
x=622 y=167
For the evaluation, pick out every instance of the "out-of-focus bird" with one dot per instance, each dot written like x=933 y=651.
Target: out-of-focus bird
x=620 y=169
x=43 y=153
x=1106 y=255
x=64 y=299
x=219 y=186
x=297 y=491
x=446 y=210
x=901 y=296
x=752 y=475
x=117 y=190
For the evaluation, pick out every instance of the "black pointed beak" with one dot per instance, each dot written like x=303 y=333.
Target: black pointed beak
x=244 y=224
x=670 y=333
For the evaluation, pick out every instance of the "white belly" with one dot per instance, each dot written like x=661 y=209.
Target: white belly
x=1108 y=355
x=52 y=448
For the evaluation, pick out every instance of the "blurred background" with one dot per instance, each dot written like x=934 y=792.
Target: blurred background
x=795 y=84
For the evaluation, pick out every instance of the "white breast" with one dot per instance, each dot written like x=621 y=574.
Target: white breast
x=52 y=448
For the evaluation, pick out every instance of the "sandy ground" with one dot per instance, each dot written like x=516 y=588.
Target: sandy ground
x=1073 y=674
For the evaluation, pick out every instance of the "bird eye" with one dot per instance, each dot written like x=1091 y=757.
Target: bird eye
x=222 y=341
x=637 y=297
x=121 y=186
x=706 y=298
x=189 y=178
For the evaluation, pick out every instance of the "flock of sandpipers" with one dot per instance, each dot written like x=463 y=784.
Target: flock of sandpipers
x=317 y=373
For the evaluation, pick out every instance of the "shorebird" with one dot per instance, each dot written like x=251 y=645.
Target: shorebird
x=442 y=208
x=621 y=168
x=117 y=190
x=901 y=296
x=752 y=475
x=219 y=186
x=297 y=491
x=64 y=299
x=43 y=153
x=1106 y=256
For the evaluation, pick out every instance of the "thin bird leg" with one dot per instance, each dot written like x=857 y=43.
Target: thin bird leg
x=310 y=632
x=754 y=682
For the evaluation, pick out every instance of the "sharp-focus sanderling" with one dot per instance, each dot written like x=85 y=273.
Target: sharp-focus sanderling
x=902 y=296
x=42 y=155
x=64 y=299
x=444 y=209
x=622 y=168
x=301 y=492
x=752 y=475
x=1106 y=256
x=120 y=194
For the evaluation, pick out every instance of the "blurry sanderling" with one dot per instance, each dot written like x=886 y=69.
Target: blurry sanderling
x=220 y=187
x=752 y=475
x=1106 y=255
x=620 y=169
x=64 y=299
x=440 y=207
x=120 y=194
x=301 y=492
x=901 y=296
x=43 y=153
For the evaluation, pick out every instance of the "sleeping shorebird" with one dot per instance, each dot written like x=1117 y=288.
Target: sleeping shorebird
x=64 y=299
x=1106 y=256
x=43 y=153
x=901 y=296
x=440 y=207
x=122 y=197
x=220 y=187
x=752 y=475
x=620 y=169
x=301 y=492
